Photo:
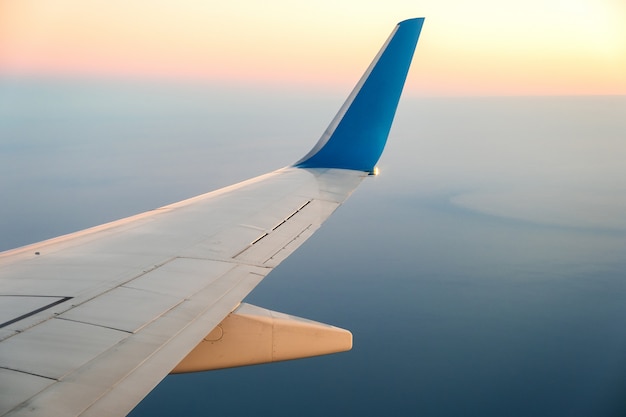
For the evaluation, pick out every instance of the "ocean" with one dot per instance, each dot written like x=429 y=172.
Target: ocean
x=483 y=272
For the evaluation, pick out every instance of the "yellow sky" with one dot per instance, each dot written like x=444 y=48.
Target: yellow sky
x=482 y=47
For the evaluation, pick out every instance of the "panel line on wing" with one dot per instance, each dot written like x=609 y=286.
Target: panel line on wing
x=290 y=216
x=35 y=311
x=264 y=247
x=279 y=224
x=28 y=373
x=259 y=238
x=96 y=325
x=271 y=258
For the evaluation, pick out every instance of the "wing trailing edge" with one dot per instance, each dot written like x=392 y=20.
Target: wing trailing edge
x=356 y=137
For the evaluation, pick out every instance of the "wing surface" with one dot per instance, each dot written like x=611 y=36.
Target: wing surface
x=90 y=322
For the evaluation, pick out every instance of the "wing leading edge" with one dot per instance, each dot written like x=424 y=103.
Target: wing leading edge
x=90 y=322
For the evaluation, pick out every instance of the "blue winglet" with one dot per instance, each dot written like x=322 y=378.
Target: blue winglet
x=356 y=137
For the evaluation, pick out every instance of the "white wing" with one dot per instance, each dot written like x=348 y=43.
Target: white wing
x=92 y=321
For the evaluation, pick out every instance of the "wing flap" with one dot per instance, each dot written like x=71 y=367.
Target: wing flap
x=56 y=347
x=125 y=309
x=181 y=277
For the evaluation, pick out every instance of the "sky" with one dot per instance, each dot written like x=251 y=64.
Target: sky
x=484 y=47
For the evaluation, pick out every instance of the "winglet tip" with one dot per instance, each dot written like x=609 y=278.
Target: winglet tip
x=414 y=20
x=356 y=137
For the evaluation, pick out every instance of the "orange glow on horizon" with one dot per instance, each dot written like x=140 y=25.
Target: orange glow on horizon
x=576 y=47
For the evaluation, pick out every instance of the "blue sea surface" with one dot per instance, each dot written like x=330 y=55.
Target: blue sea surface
x=483 y=272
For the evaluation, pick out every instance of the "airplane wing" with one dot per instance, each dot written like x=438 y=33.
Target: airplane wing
x=91 y=322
